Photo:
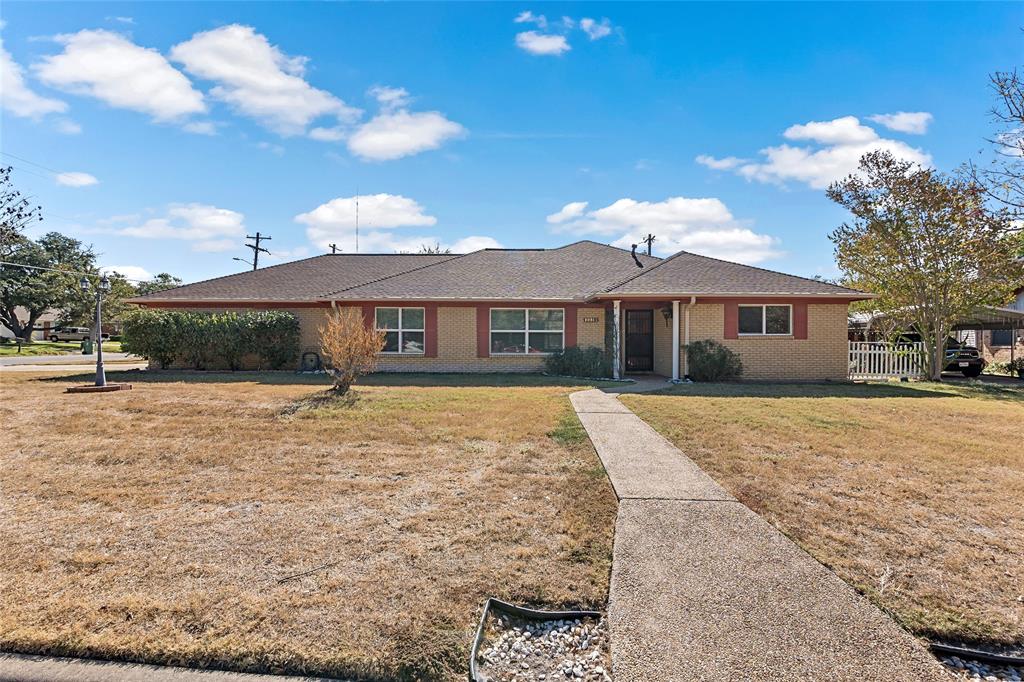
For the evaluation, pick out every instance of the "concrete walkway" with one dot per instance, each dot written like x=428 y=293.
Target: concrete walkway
x=65 y=359
x=20 y=668
x=702 y=588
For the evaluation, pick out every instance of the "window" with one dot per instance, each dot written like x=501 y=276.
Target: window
x=527 y=330
x=403 y=329
x=1002 y=337
x=766 y=320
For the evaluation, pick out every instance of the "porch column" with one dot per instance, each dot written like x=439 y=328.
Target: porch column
x=616 y=333
x=675 y=341
x=686 y=335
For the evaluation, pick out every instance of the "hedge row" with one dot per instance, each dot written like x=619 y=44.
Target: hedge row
x=204 y=340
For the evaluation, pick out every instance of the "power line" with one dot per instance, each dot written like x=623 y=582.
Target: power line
x=68 y=272
x=32 y=163
x=256 y=249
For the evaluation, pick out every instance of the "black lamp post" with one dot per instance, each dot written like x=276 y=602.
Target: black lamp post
x=101 y=289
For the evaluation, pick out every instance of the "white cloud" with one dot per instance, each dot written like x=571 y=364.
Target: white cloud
x=332 y=134
x=390 y=98
x=704 y=226
x=571 y=210
x=111 y=68
x=596 y=30
x=726 y=163
x=474 y=243
x=201 y=127
x=132 y=272
x=66 y=126
x=844 y=130
x=76 y=179
x=275 y=149
x=283 y=255
x=334 y=222
x=16 y=97
x=542 y=43
x=528 y=17
x=912 y=122
x=209 y=228
x=394 y=134
x=122 y=20
x=258 y=79
x=835 y=151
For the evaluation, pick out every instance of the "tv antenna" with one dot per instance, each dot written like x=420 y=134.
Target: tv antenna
x=334 y=248
x=649 y=240
x=357 y=220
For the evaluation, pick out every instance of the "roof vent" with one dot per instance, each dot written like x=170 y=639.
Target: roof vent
x=635 y=259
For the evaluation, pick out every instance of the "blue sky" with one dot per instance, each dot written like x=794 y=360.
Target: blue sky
x=162 y=133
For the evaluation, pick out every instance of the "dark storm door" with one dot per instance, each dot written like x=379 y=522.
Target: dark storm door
x=639 y=340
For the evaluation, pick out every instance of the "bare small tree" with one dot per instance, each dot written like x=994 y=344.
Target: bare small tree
x=350 y=347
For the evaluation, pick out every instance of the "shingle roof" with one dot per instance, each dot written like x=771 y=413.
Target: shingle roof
x=689 y=274
x=573 y=272
x=310 y=279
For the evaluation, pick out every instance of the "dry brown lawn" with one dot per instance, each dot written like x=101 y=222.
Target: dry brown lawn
x=243 y=524
x=912 y=493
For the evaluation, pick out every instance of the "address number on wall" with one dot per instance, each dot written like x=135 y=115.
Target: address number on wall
x=590 y=319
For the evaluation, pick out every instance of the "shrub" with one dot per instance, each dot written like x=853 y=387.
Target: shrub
x=350 y=347
x=711 y=361
x=273 y=335
x=590 y=362
x=153 y=335
x=1016 y=367
x=202 y=339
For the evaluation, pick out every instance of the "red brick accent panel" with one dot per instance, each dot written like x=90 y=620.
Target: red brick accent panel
x=369 y=315
x=732 y=320
x=483 y=331
x=799 y=320
x=430 y=330
x=570 y=322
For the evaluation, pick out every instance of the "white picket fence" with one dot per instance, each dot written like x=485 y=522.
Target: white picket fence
x=878 y=360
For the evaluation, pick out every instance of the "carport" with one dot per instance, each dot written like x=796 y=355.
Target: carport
x=990 y=318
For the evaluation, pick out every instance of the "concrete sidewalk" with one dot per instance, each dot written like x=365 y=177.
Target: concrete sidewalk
x=703 y=588
x=66 y=359
x=21 y=668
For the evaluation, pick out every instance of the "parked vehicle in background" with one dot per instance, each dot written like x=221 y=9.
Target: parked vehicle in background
x=72 y=334
x=963 y=358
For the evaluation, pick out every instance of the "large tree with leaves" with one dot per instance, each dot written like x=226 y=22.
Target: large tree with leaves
x=52 y=282
x=926 y=243
x=16 y=213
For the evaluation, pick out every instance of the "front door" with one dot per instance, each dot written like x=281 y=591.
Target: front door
x=639 y=340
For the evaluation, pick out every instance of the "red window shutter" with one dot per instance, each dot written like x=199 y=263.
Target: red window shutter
x=570 y=325
x=799 y=320
x=370 y=315
x=483 y=331
x=732 y=321
x=430 y=331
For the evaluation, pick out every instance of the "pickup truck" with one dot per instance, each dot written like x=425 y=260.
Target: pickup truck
x=72 y=334
x=963 y=358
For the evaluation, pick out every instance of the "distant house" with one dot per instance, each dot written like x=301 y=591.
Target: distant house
x=500 y=310
x=46 y=322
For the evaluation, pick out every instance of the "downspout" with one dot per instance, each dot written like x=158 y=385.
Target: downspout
x=675 y=342
x=616 y=373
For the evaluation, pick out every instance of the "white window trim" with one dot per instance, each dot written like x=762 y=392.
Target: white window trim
x=764 y=319
x=402 y=329
x=526 y=331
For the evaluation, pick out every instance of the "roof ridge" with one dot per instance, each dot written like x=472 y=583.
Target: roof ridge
x=774 y=272
x=403 y=272
x=607 y=246
x=233 y=274
x=646 y=270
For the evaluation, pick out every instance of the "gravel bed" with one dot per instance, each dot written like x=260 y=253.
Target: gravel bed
x=519 y=649
x=970 y=669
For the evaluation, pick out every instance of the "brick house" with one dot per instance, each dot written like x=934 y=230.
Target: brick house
x=502 y=310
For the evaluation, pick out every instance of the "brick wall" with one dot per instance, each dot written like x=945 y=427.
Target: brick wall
x=824 y=354
x=999 y=353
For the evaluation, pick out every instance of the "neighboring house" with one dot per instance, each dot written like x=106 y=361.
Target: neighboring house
x=500 y=310
x=1003 y=345
x=44 y=323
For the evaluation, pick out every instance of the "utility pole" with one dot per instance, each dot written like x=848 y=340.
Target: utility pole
x=256 y=248
x=334 y=248
x=649 y=239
